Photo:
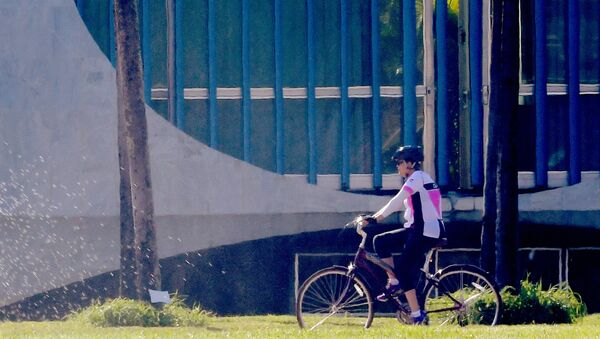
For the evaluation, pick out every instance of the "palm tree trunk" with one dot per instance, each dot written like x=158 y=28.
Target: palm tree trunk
x=128 y=276
x=505 y=94
x=134 y=146
x=488 y=229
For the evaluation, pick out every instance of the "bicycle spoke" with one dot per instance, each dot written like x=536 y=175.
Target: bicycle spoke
x=462 y=297
x=331 y=294
x=322 y=321
x=318 y=298
x=319 y=310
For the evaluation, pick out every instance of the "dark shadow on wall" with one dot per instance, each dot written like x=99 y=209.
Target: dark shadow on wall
x=257 y=277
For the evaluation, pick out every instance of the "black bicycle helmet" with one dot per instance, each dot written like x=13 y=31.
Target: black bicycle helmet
x=408 y=153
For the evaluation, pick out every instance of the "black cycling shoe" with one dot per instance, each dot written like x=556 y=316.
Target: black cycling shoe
x=390 y=291
x=422 y=319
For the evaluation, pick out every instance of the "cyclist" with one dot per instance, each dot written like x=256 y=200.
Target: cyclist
x=422 y=230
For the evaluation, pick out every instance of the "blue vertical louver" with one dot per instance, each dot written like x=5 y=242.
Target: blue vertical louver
x=279 y=132
x=246 y=98
x=311 y=109
x=212 y=74
x=475 y=71
x=443 y=174
x=345 y=180
x=573 y=91
x=146 y=49
x=409 y=73
x=541 y=79
x=178 y=69
x=111 y=33
x=175 y=63
x=375 y=83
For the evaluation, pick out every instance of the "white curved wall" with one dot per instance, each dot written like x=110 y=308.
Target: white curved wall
x=59 y=166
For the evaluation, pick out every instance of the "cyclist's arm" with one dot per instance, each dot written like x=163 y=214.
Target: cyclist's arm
x=395 y=204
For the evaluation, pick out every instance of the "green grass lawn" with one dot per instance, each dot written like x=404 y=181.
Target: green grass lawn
x=286 y=327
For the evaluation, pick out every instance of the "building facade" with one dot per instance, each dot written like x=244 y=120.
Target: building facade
x=326 y=90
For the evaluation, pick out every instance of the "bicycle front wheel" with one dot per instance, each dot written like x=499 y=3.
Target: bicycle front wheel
x=331 y=298
x=463 y=295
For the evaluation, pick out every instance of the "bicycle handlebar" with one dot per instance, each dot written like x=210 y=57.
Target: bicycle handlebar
x=357 y=222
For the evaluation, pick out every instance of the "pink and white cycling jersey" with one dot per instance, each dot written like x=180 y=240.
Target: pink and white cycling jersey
x=423 y=201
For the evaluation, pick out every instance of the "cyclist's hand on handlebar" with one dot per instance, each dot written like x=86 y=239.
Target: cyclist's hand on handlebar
x=366 y=219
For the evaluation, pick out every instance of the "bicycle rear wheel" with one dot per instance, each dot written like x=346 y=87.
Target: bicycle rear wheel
x=331 y=298
x=462 y=295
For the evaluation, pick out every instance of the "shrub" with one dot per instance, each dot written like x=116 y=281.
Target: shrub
x=127 y=312
x=178 y=314
x=533 y=305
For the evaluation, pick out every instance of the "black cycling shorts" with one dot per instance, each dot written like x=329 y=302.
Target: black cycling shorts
x=411 y=245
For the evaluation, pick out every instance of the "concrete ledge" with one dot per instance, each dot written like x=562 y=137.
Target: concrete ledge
x=584 y=196
x=462 y=203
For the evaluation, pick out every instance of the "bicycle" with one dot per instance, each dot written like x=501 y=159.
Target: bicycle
x=457 y=294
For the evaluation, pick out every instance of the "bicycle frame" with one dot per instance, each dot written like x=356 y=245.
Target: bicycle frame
x=363 y=258
x=451 y=291
x=363 y=262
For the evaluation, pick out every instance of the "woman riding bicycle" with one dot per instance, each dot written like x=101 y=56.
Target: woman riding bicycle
x=422 y=230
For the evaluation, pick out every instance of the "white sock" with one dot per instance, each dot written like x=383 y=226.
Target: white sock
x=415 y=314
x=393 y=281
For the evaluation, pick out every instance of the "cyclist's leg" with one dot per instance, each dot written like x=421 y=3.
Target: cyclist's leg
x=373 y=231
x=385 y=243
x=409 y=262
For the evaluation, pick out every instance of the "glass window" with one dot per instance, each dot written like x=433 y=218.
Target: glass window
x=589 y=67
x=327 y=43
x=390 y=27
x=361 y=136
x=263 y=139
x=230 y=127
x=161 y=107
x=359 y=36
x=390 y=32
x=557 y=41
x=195 y=43
x=391 y=131
x=158 y=43
x=197 y=120
x=262 y=43
x=420 y=54
x=452 y=91
x=158 y=48
x=526 y=134
x=329 y=148
x=527 y=41
x=557 y=136
x=556 y=12
x=95 y=16
x=557 y=130
x=295 y=137
x=293 y=38
x=229 y=43
x=590 y=132
x=294 y=57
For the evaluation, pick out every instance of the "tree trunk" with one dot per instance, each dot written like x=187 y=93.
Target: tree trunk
x=488 y=229
x=128 y=277
x=505 y=94
x=134 y=141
